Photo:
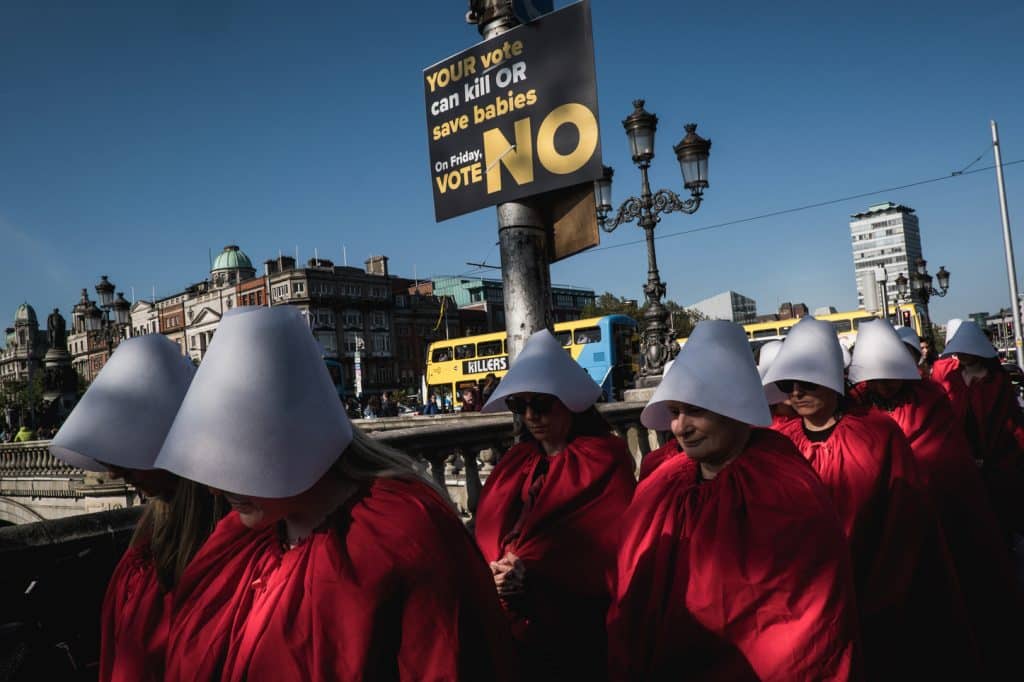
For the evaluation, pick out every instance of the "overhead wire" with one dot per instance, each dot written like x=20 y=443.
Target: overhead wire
x=805 y=207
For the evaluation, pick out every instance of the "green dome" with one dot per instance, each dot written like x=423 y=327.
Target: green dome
x=25 y=314
x=232 y=258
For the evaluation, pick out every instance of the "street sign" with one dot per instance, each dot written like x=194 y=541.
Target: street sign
x=514 y=116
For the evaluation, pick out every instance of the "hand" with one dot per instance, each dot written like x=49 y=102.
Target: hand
x=509 y=575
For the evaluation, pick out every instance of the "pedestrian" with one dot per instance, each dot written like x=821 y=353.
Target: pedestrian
x=547 y=518
x=887 y=379
x=374 y=408
x=430 y=407
x=471 y=399
x=912 y=614
x=338 y=561
x=448 y=403
x=118 y=427
x=986 y=406
x=490 y=383
x=733 y=564
x=25 y=434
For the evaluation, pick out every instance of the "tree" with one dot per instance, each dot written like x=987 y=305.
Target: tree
x=608 y=303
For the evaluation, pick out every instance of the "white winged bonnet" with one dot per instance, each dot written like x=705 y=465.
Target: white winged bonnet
x=911 y=339
x=769 y=352
x=969 y=339
x=126 y=413
x=715 y=370
x=881 y=354
x=544 y=366
x=811 y=353
x=262 y=417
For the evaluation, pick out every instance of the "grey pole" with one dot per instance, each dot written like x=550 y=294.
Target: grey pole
x=1011 y=268
x=522 y=233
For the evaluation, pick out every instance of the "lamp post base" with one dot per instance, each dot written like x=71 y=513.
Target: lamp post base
x=638 y=395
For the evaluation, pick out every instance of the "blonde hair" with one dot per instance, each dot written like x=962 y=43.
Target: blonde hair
x=170 y=533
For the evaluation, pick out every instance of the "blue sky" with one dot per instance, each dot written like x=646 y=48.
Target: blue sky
x=137 y=137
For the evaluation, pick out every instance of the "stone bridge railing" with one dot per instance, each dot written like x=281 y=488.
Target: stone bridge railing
x=458 y=451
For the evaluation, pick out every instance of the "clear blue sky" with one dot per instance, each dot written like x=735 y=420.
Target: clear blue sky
x=136 y=137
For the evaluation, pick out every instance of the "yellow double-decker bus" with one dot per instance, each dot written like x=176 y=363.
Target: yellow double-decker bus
x=845 y=324
x=606 y=347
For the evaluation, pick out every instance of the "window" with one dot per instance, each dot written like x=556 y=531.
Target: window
x=588 y=335
x=564 y=338
x=352 y=290
x=441 y=354
x=765 y=333
x=400 y=300
x=487 y=348
x=384 y=374
x=378 y=292
x=328 y=341
x=382 y=343
x=352 y=318
x=351 y=342
x=563 y=300
x=378 y=319
x=465 y=351
x=842 y=326
x=300 y=287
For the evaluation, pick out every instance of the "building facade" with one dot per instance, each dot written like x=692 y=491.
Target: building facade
x=888 y=236
x=21 y=359
x=488 y=295
x=727 y=305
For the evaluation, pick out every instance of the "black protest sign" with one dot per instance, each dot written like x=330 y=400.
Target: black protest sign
x=514 y=116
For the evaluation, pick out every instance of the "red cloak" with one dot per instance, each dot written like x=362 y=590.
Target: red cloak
x=567 y=543
x=134 y=622
x=911 y=609
x=951 y=478
x=655 y=458
x=393 y=590
x=992 y=420
x=743 y=577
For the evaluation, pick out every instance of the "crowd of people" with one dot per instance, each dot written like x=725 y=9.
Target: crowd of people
x=817 y=515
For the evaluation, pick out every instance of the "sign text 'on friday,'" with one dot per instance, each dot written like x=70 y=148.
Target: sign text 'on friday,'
x=514 y=116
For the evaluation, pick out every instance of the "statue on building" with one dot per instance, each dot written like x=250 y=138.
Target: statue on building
x=57 y=330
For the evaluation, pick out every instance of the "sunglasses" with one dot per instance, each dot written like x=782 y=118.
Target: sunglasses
x=787 y=386
x=540 y=403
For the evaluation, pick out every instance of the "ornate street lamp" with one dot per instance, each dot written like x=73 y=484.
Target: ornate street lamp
x=657 y=344
x=902 y=286
x=920 y=287
x=105 y=290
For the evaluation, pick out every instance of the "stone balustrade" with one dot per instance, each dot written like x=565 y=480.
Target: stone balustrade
x=457 y=451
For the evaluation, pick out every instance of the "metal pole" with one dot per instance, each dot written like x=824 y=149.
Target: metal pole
x=522 y=234
x=1011 y=268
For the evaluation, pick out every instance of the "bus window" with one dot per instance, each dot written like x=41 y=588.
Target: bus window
x=766 y=333
x=564 y=338
x=486 y=348
x=441 y=355
x=465 y=351
x=588 y=335
x=842 y=326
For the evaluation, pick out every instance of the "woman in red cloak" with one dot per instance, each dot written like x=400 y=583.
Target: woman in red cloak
x=733 y=565
x=330 y=567
x=887 y=380
x=911 y=609
x=118 y=427
x=987 y=409
x=548 y=515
